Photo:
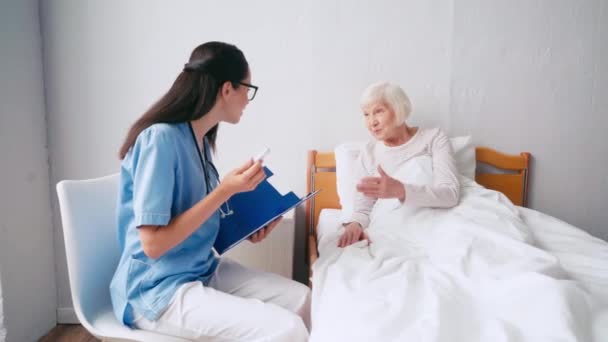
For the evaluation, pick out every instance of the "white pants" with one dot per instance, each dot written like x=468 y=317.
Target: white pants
x=239 y=304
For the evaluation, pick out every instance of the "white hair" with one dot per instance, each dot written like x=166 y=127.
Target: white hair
x=392 y=95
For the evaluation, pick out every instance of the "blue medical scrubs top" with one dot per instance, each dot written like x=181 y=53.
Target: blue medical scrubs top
x=160 y=178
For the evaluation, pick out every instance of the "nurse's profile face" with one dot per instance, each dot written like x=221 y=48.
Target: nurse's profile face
x=237 y=99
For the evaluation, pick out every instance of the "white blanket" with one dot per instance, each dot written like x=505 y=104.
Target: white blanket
x=470 y=273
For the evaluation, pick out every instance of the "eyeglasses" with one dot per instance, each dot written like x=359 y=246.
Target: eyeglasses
x=251 y=91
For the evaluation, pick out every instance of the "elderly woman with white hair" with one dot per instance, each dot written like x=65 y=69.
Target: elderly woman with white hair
x=385 y=109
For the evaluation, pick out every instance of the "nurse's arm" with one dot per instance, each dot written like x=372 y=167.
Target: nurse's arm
x=158 y=240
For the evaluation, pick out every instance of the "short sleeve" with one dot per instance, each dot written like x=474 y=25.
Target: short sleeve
x=154 y=167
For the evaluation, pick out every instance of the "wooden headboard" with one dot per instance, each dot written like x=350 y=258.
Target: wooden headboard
x=510 y=176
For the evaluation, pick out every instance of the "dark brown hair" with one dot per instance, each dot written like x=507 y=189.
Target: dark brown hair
x=195 y=90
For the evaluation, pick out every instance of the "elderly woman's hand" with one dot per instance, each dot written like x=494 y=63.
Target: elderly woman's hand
x=352 y=233
x=382 y=187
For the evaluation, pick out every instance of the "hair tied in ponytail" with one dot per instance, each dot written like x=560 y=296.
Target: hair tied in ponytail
x=197 y=65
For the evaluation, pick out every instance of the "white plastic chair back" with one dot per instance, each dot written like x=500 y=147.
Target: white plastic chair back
x=88 y=215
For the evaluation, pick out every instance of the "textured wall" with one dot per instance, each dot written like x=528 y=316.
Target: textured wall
x=533 y=75
x=311 y=60
x=26 y=228
x=519 y=75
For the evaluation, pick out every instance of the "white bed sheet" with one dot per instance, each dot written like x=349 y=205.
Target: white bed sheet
x=582 y=256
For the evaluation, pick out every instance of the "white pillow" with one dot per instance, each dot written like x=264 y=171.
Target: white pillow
x=346 y=157
x=464 y=155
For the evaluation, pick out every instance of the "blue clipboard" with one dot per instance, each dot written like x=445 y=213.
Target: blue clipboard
x=252 y=211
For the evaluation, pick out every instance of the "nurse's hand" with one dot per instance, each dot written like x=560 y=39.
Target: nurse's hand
x=244 y=178
x=263 y=233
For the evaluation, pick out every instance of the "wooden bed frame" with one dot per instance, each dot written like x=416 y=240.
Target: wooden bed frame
x=511 y=179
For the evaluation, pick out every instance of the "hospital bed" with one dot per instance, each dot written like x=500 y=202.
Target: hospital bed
x=583 y=258
x=511 y=178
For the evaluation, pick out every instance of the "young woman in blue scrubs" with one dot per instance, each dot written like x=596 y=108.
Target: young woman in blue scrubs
x=169 y=280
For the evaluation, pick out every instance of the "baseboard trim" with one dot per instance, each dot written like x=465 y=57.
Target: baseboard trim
x=67 y=316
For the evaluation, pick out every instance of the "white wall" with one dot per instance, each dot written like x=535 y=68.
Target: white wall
x=534 y=76
x=2 y=324
x=26 y=230
x=106 y=62
x=480 y=68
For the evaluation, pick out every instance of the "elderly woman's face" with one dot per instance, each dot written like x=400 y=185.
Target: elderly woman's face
x=380 y=119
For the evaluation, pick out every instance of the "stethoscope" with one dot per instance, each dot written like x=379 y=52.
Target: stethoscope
x=204 y=162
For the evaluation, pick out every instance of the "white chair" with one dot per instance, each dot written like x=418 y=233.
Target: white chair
x=88 y=214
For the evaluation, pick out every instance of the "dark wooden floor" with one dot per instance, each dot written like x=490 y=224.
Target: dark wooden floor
x=68 y=333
